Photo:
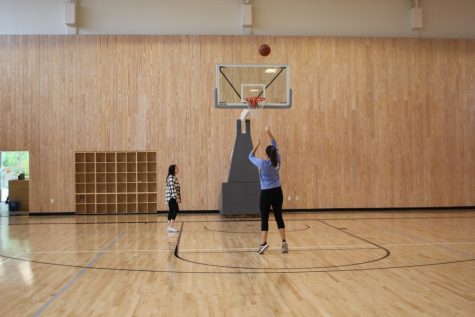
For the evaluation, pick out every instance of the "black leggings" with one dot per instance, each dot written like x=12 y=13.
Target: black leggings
x=271 y=197
x=172 y=209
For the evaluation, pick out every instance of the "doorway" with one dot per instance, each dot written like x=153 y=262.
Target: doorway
x=14 y=181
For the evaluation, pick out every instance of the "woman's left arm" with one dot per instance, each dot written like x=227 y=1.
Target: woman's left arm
x=252 y=156
x=253 y=152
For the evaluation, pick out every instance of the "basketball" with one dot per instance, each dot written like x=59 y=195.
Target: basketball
x=264 y=50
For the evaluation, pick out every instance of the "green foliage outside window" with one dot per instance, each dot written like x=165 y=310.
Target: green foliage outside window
x=13 y=164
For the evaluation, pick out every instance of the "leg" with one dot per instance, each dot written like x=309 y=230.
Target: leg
x=175 y=211
x=172 y=212
x=264 y=237
x=277 y=202
x=282 y=234
x=265 y=209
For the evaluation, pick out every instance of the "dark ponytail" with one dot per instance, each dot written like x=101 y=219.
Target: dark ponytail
x=271 y=152
x=171 y=170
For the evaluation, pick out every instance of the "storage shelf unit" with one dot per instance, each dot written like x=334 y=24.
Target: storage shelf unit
x=116 y=182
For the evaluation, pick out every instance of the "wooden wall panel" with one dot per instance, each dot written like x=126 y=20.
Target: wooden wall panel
x=376 y=122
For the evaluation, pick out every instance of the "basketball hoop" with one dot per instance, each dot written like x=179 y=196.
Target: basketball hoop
x=254 y=104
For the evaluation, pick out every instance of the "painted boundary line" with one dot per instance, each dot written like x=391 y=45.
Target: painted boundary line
x=178 y=240
x=78 y=276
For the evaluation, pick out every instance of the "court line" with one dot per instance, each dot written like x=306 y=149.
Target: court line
x=354 y=235
x=324 y=247
x=253 y=250
x=387 y=253
x=428 y=243
x=77 y=277
x=441 y=245
x=178 y=240
x=241 y=220
x=301 y=248
x=335 y=268
x=288 y=271
x=225 y=231
x=463 y=252
x=312 y=248
x=94 y=251
x=7 y=259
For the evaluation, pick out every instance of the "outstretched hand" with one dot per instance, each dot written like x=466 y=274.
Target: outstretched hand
x=269 y=133
x=256 y=146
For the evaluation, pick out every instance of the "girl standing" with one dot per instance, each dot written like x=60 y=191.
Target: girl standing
x=173 y=196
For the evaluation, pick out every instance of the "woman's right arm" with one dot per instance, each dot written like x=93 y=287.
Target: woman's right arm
x=272 y=140
x=269 y=133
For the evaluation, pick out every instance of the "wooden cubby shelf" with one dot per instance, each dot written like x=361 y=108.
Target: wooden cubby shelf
x=115 y=182
x=80 y=178
x=100 y=157
x=100 y=167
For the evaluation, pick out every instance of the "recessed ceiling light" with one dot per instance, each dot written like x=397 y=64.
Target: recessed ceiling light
x=271 y=70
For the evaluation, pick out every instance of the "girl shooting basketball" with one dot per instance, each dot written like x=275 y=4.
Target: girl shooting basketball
x=271 y=191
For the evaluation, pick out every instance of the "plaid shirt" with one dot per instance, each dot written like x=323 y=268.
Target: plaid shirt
x=173 y=188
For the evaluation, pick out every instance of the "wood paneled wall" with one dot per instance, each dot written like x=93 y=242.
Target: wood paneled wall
x=375 y=122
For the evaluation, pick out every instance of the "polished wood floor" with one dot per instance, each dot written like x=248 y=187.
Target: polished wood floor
x=339 y=264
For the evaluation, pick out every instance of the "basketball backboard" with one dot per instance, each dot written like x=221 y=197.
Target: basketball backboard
x=235 y=83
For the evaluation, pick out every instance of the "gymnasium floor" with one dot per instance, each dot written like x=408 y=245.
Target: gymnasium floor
x=339 y=264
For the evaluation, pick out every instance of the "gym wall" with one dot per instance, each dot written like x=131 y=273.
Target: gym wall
x=375 y=122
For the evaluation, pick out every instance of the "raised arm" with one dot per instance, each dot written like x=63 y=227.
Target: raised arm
x=269 y=133
x=253 y=152
x=252 y=156
x=272 y=141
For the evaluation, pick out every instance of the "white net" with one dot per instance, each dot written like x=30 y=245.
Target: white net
x=255 y=105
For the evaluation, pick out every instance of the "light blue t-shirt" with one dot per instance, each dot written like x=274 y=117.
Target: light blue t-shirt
x=268 y=174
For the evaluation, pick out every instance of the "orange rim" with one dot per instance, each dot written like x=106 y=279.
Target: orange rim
x=253 y=102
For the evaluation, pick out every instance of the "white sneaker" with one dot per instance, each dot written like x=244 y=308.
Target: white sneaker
x=285 y=247
x=172 y=229
x=262 y=248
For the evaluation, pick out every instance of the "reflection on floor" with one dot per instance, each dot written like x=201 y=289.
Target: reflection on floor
x=5 y=213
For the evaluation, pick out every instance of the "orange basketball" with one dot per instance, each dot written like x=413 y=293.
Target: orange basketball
x=264 y=50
